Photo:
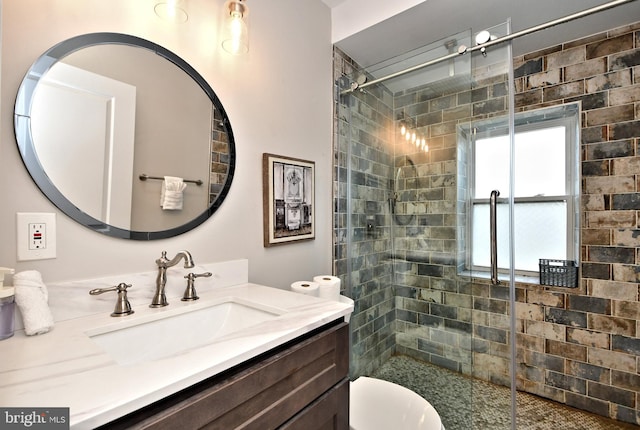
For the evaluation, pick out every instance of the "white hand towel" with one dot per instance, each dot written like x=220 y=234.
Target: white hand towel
x=171 y=193
x=32 y=299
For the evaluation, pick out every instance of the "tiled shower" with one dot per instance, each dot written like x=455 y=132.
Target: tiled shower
x=397 y=219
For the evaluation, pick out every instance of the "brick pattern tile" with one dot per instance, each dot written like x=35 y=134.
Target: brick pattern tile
x=593 y=332
x=579 y=346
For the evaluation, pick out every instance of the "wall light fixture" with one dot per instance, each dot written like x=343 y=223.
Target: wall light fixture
x=235 y=35
x=171 y=10
x=410 y=134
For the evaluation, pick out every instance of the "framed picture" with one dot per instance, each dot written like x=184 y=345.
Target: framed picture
x=288 y=199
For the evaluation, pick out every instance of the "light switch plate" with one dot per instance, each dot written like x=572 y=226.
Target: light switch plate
x=36 y=236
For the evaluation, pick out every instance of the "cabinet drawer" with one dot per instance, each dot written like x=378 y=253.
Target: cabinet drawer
x=329 y=412
x=262 y=396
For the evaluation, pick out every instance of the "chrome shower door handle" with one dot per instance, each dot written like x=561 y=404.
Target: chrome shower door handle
x=493 y=235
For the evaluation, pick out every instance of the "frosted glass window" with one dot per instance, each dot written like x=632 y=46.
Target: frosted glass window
x=491 y=166
x=540 y=164
x=540 y=229
x=545 y=184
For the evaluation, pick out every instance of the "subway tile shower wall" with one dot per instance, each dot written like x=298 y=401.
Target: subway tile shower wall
x=577 y=346
x=595 y=331
x=367 y=126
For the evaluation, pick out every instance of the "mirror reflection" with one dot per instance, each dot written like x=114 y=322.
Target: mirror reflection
x=102 y=119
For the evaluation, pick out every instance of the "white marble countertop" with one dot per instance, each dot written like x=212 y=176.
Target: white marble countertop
x=66 y=368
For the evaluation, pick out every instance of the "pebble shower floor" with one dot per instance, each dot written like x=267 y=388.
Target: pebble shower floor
x=451 y=394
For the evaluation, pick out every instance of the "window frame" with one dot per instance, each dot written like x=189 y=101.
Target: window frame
x=567 y=116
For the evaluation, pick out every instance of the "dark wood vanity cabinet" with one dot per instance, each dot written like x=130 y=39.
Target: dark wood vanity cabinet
x=302 y=385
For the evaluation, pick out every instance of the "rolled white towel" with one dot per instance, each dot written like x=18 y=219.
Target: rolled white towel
x=171 y=193
x=32 y=299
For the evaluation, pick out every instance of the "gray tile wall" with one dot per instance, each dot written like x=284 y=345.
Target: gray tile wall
x=362 y=141
x=433 y=305
x=219 y=156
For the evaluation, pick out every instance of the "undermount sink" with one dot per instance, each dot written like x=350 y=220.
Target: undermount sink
x=160 y=335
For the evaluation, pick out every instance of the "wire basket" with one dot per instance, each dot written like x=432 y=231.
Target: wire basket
x=558 y=273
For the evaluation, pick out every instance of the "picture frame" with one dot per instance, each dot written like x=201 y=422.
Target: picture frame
x=288 y=199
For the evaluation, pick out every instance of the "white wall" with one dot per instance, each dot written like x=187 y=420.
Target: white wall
x=351 y=16
x=278 y=98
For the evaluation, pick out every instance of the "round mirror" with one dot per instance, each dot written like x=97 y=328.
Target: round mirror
x=124 y=136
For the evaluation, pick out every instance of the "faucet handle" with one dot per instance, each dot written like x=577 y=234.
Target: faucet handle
x=190 y=291
x=123 y=307
x=163 y=259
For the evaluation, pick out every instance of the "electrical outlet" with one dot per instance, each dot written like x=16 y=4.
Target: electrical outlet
x=36 y=236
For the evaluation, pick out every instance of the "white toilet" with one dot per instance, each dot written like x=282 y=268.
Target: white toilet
x=381 y=405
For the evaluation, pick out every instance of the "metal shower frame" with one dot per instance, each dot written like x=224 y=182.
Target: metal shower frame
x=482 y=47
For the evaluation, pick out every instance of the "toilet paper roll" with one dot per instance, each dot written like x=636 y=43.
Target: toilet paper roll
x=329 y=287
x=306 y=287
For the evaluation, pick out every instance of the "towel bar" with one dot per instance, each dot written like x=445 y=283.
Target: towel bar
x=144 y=177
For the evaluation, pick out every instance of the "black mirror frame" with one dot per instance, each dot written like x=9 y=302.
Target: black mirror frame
x=24 y=139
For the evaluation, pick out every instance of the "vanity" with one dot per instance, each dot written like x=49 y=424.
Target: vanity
x=243 y=355
x=299 y=385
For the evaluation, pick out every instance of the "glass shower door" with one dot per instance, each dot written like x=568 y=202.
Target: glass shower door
x=489 y=225
x=434 y=308
x=424 y=316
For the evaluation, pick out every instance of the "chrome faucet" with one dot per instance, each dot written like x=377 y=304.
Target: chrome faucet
x=123 y=307
x=159 y=298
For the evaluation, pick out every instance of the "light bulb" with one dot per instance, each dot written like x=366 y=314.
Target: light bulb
x=403 y=129
x=413 y=137
x=236 y=36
